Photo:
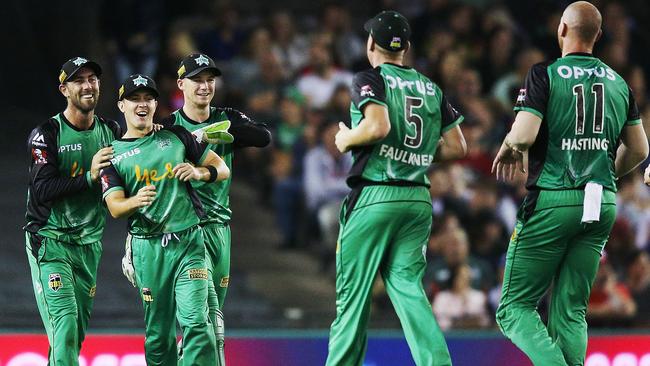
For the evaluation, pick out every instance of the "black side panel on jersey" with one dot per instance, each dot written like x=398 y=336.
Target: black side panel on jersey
x=193 y=149
x=366 y=85
x=196 y=201
x=193 y=152
x=528 y=206
x=45 y=182
x=536 y=89
x=633 y=108
x=535 y=94
x=247 y=132
x=448 y=113
x=361 y=157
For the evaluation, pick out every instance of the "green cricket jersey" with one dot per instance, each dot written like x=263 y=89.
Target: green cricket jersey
x=149 y=160
x=216 y=197
x=419 y=115
x=584 y=105
x=62 y=202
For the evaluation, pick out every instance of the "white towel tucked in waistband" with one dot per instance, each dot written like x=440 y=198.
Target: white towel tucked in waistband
x=591 y=204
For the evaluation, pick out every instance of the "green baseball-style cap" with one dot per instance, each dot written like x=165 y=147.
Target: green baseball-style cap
x=390 y=30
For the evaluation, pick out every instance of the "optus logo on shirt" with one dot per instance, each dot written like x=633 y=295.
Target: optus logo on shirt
x=151 y=175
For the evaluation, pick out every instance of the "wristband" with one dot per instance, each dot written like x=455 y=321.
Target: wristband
x=213 y=173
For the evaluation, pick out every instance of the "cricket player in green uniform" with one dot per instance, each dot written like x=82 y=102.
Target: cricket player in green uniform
x=149 y=182
x=196 y=78
x=571 y=114
x=401 y=123
x=65 y=217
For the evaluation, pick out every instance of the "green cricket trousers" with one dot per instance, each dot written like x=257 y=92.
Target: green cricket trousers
x=551 y=248
x=64 y=279
x=172 y=277
x=386 y=229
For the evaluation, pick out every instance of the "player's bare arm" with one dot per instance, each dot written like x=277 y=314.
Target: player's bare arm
x=632 y=151
x=373 y=128
x=646 y=176
x=452 y=146
x=187 y=171
x=121 y=206
x=524 y=131
x=510 y=157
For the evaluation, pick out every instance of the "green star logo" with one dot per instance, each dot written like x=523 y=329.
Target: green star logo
x=140 y=81
x=202 y=60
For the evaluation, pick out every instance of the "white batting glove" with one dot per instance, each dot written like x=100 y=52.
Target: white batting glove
x=127 y=262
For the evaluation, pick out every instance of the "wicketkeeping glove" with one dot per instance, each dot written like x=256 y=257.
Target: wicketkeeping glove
x=216 y=133
x=127 y=263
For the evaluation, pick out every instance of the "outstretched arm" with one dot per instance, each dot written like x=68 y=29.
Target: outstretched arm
x=510 y=157
x=247 y=133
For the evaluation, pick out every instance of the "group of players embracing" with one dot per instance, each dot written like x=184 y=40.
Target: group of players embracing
x=171 y=179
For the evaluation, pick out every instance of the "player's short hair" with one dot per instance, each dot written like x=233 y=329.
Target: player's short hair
x=389 y=53
x=587 y=30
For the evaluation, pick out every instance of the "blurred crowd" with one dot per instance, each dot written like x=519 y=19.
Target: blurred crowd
x=293 y=72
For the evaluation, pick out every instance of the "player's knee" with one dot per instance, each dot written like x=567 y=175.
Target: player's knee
x=504 y=318
x=159 y=345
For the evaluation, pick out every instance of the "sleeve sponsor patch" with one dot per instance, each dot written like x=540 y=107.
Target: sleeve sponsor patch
x=198 y=273
x=105 y=183
x=39 y=156
x=39 y=140
x=521 y=97
x=366 y=91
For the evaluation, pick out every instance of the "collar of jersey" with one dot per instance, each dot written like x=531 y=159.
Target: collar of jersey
x=65 y=120
x=583 y=54
x=131 y=139
x=396 y=65
x=188 y=119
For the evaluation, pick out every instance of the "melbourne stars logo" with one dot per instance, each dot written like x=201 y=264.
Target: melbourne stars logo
x=140 y=81
x=202 y=60
x=165 y=143
x=79 y=61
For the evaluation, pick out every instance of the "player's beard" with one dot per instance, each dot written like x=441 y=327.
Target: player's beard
x=86 y=106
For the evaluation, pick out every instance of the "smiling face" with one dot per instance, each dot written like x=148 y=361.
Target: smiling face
x=138 y=109
x=198 y=90
x=82 y=90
